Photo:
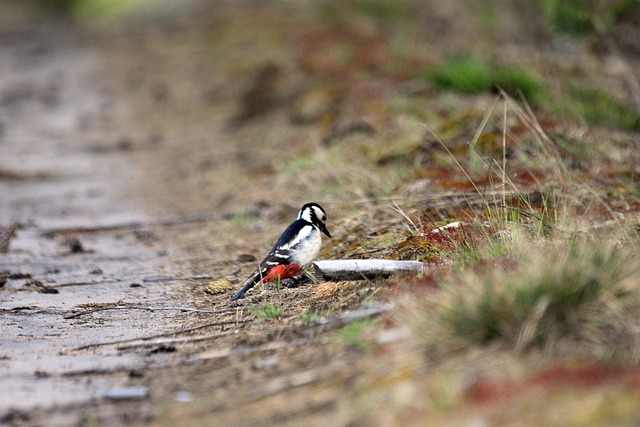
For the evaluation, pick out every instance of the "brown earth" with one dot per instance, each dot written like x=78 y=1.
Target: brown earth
x=129 y=194
x=143 y=160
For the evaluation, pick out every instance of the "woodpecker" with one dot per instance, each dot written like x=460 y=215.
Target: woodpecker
x=298 y=245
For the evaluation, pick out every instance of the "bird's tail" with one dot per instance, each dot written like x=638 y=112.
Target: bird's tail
x=250 y=284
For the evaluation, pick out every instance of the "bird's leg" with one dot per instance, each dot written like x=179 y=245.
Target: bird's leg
x=309 y=274
x=294 y=282
x=304 y=278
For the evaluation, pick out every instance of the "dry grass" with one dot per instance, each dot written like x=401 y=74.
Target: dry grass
x=549 y=292
x=543 y=269
x=532 y=279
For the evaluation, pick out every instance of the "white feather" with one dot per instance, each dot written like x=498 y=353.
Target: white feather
x=305 y=214
x=302 y=234
x=306 y=245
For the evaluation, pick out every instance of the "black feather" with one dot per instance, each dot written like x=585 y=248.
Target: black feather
x=250 y=284
x=287 y=235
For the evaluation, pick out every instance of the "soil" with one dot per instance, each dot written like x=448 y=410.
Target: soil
x=127 y=195
x=141 y=166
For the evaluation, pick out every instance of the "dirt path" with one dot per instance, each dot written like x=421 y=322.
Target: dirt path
x=122 y=182
x=80 y=243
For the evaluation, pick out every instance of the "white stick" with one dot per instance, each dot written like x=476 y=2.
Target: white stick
x=358 y=269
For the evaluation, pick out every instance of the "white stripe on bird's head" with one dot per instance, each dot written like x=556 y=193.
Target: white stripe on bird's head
x=313 y=213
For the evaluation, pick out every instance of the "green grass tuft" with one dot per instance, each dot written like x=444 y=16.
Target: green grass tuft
x=379 y=11
x=266 y=312
x=470 y=75
x=569 y=16
x=90 y=10
x=575 y=17
x=600 y=108
x=313 y=315
x=358 y=333
x=582 y=291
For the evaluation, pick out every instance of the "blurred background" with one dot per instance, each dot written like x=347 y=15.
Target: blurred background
x=225 y=104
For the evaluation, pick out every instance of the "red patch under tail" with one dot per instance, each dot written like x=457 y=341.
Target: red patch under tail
x=283 y=272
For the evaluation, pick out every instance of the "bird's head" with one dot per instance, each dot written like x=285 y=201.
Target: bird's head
x=313 y=213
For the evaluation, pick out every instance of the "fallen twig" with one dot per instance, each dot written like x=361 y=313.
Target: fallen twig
x=165 y=334
x=350 y=316
x=140 y=307
x=127 y=225
x=172 y=278
x=200 y=358
x=97 y=282
x=287 y=383
x=165 y=341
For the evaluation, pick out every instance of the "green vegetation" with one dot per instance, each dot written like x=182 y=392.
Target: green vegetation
x=91 y=9
x=297 y=164
x=484 y=12
x=569 y=16
x=575 y=17
x=471 y=75
x=566 y=291
x=266 y=312
x=600 y=108
x=379 y=11
x=58 y=5
x=358 y=333
x=313 y=315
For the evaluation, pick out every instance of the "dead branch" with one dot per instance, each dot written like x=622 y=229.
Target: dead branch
x=169 y=341
x=172 y=278
x=140 y=307
x=358 y=269
x=52 y=232
x=350 y=316
x=97 y=282
x=164 y=334
x=200 y=358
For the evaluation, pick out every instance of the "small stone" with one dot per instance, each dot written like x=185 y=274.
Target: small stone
x=74 y=244
x=125 y=393
x=37 y=285
x=4 y=275
x=266 y=363
x=183 y=396
x=246 y=258
x=6 y=234
x=41 y=374
x=163 y=349
x=125 y=144
x=136 y=374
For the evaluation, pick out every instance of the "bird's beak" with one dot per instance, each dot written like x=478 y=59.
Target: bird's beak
x=323 y=228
